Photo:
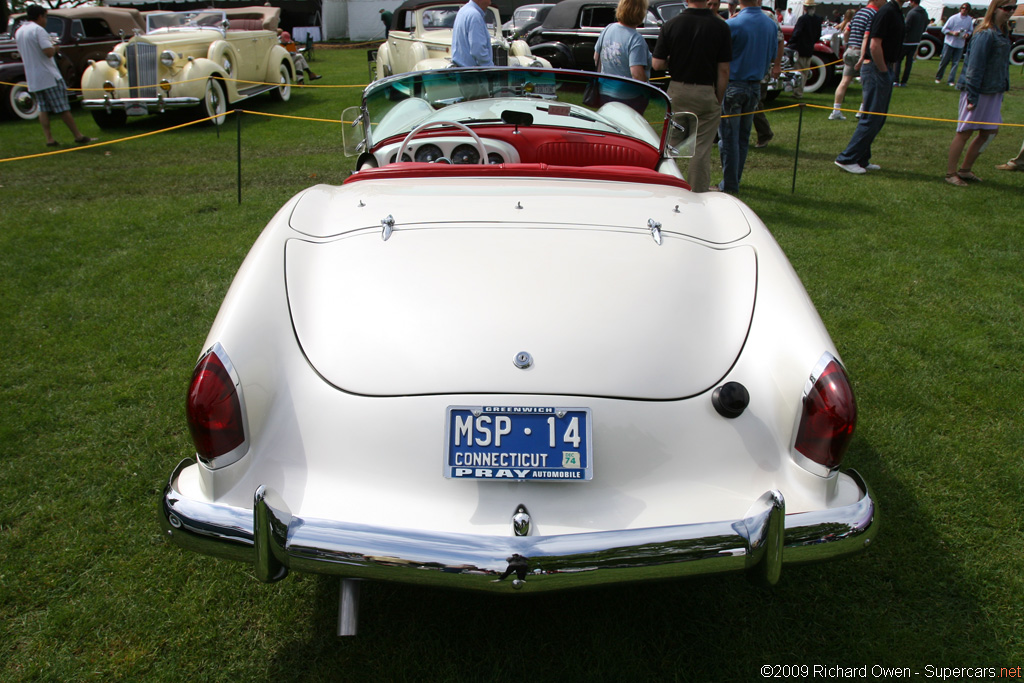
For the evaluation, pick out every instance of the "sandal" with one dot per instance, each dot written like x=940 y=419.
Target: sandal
x=1010 y=165
x=967 y=174
x=954 y=179
x=55 y=143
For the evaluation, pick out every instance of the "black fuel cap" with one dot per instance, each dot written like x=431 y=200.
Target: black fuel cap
x=730 y=399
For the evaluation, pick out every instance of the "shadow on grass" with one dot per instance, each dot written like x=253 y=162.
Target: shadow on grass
x=905 y=595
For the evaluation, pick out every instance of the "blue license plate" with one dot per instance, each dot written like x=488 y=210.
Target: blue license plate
x=514 y=443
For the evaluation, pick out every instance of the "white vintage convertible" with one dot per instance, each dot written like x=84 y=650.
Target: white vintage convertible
x=207 y=60
x=421 y=39
x=514 y=351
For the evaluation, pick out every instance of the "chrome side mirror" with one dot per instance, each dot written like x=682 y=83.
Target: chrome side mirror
x=681 y=142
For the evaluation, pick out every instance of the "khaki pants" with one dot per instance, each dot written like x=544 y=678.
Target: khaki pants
x=702 y=101
x=803 y=64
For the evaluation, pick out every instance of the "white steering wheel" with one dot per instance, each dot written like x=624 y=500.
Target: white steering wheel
x=429 y=124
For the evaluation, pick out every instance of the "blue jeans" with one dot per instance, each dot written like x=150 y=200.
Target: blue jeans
x=950 y=55
x=741 y=98
x=877 y=90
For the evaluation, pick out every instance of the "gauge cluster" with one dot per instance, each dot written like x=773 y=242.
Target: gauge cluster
x=449 y=150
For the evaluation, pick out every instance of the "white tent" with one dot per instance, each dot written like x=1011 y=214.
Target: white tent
x=361 y=18
x=933 y=7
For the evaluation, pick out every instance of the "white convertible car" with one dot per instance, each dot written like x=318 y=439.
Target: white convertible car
x=514 y=351
x=421 y=39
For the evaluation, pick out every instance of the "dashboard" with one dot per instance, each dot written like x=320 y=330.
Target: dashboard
x=455 y=149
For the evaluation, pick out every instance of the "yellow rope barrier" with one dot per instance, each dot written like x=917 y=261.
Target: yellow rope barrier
x=204 y=78
x=319 y=120
x=286 y=116
x=916 y=118
x=112 y=142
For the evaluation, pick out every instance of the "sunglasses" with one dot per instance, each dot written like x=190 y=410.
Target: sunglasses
x=1008 y=8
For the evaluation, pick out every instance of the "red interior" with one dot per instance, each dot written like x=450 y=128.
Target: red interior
x=415 y=169
x=550 y=145
x=544 y=152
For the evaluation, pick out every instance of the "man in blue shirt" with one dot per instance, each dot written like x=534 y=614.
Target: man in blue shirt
x=754 y=46
x=471 y=41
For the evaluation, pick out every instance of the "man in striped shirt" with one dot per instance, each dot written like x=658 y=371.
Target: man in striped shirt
x=853 y=57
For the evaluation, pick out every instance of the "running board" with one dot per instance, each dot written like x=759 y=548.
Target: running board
x=256 y=90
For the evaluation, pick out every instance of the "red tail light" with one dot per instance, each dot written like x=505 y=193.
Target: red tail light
x=214 y=409
x=829 y=416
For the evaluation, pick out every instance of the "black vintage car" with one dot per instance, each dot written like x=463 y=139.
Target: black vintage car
x=83 y=34
x=569 y=33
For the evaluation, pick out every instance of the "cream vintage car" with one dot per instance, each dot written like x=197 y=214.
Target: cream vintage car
x=202 y=59
x=513 y=352
x=421 y=39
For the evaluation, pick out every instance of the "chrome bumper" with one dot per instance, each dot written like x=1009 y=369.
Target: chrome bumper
x=154 y=105
x=276 y=541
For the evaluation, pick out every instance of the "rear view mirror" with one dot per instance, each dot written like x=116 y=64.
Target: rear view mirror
x=517 y=118
x=353 y=134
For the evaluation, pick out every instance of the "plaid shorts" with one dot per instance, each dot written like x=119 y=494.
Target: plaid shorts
x=53 y=100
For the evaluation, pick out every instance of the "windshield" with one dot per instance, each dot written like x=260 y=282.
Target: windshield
x=190 y=20
x=539 y=97
x=443 y=16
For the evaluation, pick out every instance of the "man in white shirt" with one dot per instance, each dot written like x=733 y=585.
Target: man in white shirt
x=44 y=78
x=957 y=30
x=471 y=41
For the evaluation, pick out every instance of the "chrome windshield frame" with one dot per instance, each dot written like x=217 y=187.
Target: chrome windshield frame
x=442 y=88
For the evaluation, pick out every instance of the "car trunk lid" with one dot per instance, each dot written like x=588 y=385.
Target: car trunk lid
x=446 y=307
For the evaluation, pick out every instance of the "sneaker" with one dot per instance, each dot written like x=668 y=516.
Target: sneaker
x=1010 y=165
x=836 y=115
x=951 y=85
x=872 y=167
x=938 y=80
x=852 y=168
x=761 y=144
x=86 y=140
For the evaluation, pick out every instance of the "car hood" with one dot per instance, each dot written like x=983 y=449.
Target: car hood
x=445 y=306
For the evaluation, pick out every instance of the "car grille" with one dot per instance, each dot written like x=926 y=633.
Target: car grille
x=500 y=55
x=142 y=69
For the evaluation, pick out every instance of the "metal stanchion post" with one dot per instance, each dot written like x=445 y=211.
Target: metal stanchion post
x=796 y=156
x=238 y=121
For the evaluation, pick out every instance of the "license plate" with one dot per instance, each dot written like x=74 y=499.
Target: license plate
x=512 y=443
x=136 y=110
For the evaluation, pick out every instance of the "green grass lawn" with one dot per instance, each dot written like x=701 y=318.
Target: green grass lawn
x=113 y=263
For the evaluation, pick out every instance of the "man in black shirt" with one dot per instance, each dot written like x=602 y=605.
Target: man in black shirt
x=695 y=47
x=805 y=34
x=917 y=22
x=887 y=29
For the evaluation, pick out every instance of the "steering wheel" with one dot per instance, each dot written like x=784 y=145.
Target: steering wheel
x=429 y=124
